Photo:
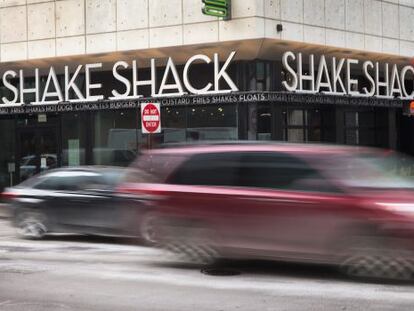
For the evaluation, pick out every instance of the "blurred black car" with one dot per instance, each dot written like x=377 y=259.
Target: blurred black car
x=76 y=200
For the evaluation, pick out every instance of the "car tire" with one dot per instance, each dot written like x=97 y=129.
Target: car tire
x=194 y=245
x=377 y=259
x=148 y=227
x=31 y=225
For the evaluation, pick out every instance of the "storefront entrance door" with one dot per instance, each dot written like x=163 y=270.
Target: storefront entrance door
x=37 y=151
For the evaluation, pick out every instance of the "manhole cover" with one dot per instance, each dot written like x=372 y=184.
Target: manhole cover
x=220 y=272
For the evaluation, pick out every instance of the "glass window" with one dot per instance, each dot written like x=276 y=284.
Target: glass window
x=264 y=122
x=69 y=180
x=208 y=169
x=367 y=127
x=195 y=123
x=270 y=170
x=115 y=137
x=295 y=117
x=73 y=139
x=7 y=138
x=173 y=121
x=215 y=122
x=279 y=171
x=309 y=125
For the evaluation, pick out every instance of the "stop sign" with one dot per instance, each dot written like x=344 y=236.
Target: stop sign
x=150 y=118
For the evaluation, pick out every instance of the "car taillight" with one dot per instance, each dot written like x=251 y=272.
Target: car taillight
x=8 y=196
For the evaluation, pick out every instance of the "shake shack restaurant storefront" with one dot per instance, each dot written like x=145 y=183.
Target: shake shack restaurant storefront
x=69 y=115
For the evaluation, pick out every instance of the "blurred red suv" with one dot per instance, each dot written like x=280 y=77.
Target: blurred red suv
x=348 y=206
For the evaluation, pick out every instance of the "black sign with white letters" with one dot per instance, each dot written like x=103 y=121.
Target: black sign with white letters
x=191 y=100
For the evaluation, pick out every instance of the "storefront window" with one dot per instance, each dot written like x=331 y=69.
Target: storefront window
x=367 y=128
x=309 y=125
x=115 y=137
x=174 y=120
x=7 y=159
x=259 y=121
x=216 y=122
x=194 y=123
x=74 y=139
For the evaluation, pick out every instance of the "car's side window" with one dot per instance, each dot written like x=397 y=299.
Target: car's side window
x=58 y=183
x=280 y=171
x=61 y=183
x=211 y=169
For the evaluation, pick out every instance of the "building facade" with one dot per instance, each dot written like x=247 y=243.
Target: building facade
x=74 y=73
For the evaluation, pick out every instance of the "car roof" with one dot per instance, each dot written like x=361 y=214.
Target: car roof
x=86 y=168
x=251 y=146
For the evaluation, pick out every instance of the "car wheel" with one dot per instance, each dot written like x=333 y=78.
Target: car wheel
x=31 y=225
x=375 y=259
x=148 y=229
x=193 y=253
x=194 y=245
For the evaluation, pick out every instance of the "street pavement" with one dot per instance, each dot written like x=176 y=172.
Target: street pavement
x=81 y=273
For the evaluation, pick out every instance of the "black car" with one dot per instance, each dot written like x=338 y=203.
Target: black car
x=76 y=200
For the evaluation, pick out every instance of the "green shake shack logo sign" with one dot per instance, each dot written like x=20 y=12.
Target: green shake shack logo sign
x=217 y=8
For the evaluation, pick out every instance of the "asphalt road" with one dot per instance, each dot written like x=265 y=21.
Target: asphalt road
x=106 y=274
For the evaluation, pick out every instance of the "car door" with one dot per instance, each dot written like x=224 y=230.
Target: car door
x=70 y=204
x=294 y=210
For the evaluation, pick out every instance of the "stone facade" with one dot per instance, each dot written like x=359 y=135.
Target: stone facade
x=33 y=29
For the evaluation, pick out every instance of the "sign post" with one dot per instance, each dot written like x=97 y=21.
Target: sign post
x=150 y=119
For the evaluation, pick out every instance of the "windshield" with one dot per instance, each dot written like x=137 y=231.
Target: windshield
x=374 y=170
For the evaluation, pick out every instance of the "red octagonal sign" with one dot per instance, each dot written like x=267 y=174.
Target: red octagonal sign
x=150 y=118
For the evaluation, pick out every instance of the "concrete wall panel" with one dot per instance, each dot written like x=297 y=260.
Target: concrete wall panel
x=406 y=23
x=100 y=16
x=355 y=41
x=101 y=43
x=390 y=21
x=7 y=3
x=131 y=14
x=314 y=12
x=166 y=36
x=373 y=17
x=373 y=43
x=354 y=11
x=335 y=38
x=42 y=48
x=165 y=13
x=247 y=8
x=201 y=33
x=70 y=46
x=292 y=10
x=13 y=23
x=272 y=9
x=41 y=20
x=292 y=32
x=335 y=14
x=315 y=35
x=70 y=18
x=133 y=40
x=13 y=51
x=246 y=28
x=390 y=46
